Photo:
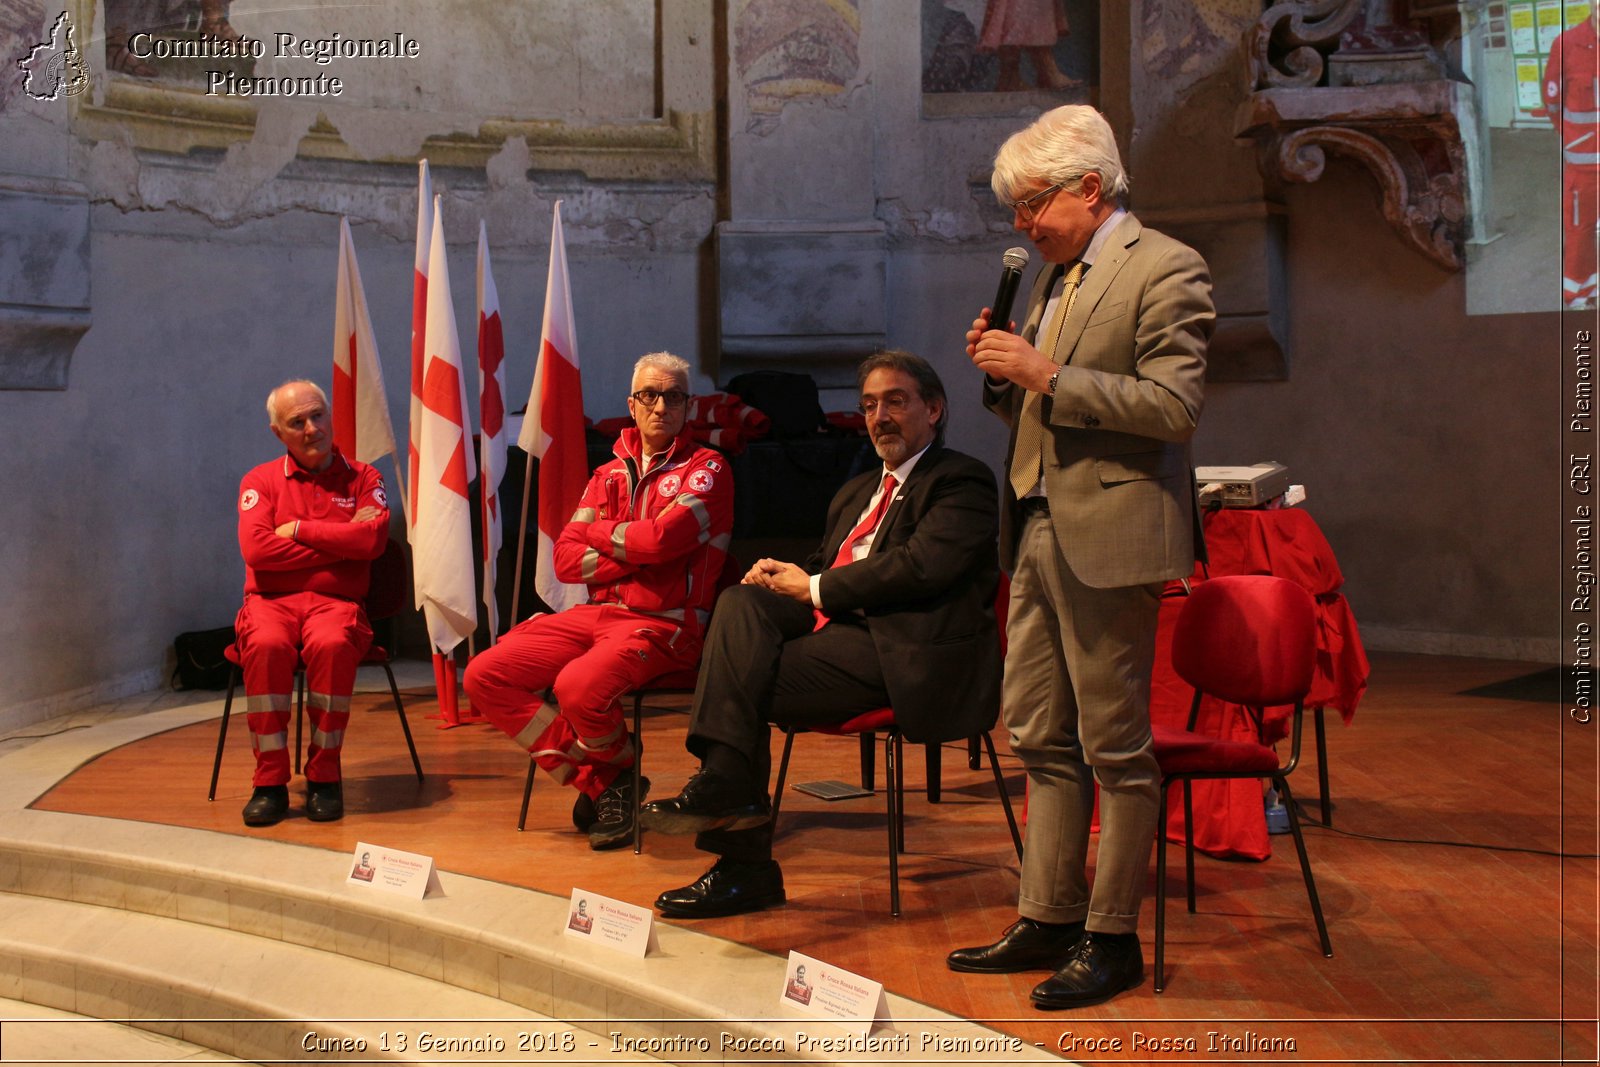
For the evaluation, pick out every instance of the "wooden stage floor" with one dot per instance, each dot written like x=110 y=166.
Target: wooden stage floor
x=1459 y=934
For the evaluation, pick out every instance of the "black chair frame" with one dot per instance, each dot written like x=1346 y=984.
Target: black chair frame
x=237 y=676
x=639 y=697
x=894 y=793
x=1280 y=779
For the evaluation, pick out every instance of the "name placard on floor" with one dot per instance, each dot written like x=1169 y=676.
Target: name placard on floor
x=391 y=870
x=827 y=992
x=616 y=924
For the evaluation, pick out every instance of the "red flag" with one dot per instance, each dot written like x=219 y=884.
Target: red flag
x=552 y=431
x=361 y=426
x=419 y=318
x=491 y=421
x=442 y=523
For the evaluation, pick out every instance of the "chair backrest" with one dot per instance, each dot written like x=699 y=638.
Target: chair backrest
x=732 y=574
x=1002 y=608
x=387 y=594
x=1249 y=638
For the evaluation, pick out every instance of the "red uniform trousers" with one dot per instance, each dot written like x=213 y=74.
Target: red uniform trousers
x=276 y=633
x=1580 y=197
x=587 y=657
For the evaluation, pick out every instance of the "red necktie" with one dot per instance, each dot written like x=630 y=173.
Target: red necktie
x=863 y=528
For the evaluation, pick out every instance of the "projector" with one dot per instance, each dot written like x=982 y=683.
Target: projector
x=1241 y=487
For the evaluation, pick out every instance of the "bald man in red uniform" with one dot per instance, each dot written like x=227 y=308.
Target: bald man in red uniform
x=310 y=523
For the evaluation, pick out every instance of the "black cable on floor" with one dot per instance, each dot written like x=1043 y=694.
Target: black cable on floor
x=1312 y=824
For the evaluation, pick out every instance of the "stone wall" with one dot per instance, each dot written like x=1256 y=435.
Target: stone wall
x=211 y=232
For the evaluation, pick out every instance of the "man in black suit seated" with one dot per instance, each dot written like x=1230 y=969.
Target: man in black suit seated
x=895 y=608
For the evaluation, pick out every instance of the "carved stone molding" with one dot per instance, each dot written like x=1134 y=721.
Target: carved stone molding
x=1356 y=78
x=1407 y=135
x=1289 y=43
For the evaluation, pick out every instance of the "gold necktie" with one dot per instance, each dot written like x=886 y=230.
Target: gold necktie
x=1028 y=456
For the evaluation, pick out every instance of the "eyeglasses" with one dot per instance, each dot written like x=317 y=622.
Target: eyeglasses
x=1025 y=208
x=675 y=398
x=893 y=404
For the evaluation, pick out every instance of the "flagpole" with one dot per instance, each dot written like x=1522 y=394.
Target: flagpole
x=522 y=536
x=493 y=606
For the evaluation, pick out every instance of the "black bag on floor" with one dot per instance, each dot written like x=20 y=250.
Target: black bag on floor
x=201 y=664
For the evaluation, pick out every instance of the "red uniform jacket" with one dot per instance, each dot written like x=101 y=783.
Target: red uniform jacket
x=329 y=552
x=1572 y=93
x=656 y=541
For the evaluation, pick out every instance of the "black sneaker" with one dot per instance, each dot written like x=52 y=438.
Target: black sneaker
x=583 y=813
x=583 y=810
x=267 y=805
x=614 y=810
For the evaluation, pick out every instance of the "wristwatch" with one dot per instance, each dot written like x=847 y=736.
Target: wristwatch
x=1050 y=386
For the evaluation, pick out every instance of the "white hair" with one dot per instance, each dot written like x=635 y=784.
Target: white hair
x=272 y=398
x=1059 y=148
x=666 y=362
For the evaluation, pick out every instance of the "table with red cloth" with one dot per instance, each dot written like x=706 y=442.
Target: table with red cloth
x=1286 y=542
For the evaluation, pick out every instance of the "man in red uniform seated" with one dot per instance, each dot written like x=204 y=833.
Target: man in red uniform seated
x=310 y=523
x=649 y=539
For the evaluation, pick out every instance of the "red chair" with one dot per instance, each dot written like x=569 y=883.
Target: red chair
x=1248 y=640
x=882 y=721
x=386 y=597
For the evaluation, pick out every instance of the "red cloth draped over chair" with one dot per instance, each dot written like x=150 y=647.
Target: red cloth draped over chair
x=1286 y=542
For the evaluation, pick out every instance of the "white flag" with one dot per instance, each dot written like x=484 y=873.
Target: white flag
x=361 y=426
x=442 y=538
x=552 y=430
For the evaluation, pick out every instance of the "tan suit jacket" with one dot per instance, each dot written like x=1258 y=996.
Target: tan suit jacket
x=1117 y=470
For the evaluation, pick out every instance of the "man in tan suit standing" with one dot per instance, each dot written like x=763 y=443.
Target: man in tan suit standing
x=1101 y=388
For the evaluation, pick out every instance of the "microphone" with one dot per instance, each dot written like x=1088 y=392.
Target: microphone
x=1010 y=279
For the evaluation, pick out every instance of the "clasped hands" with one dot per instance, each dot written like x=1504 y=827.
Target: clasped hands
x=785 y=579
x=1006 y=357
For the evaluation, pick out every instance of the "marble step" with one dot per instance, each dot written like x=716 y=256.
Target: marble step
x=233 y=901
x=30 y=1033
x=250 y=997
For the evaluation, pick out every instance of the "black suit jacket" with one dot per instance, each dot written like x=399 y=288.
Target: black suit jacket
x=927 y=590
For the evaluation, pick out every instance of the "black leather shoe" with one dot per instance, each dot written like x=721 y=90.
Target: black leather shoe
x=708 y=802
x=324 y=801
x=728 y=888
x=1027 y=945
x=1100 y=967
x=267 y=805
x=614 y=808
